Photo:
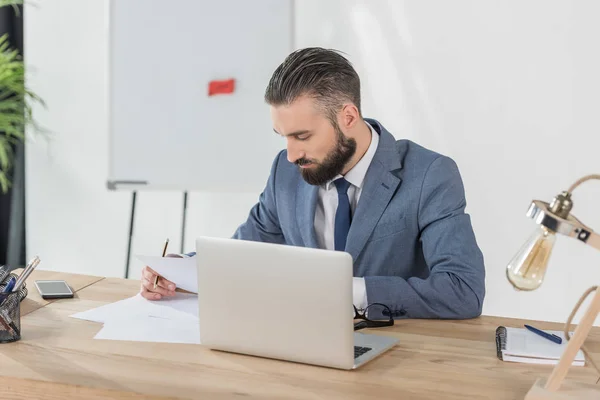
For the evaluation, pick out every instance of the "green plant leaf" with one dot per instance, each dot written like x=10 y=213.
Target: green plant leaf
x=4 y=182
x=16 y=102
x=5 y=154
x=14 y=4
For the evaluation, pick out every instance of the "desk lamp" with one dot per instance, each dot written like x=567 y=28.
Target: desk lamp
x=526 y=271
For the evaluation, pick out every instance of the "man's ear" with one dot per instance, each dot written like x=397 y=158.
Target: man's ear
x=349 y=116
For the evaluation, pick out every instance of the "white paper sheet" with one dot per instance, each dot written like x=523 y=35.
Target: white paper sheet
x=185 y=303
x=151 y=329
x=103 y=313
x=181 y=271
x=181 y=307
x=170 y=320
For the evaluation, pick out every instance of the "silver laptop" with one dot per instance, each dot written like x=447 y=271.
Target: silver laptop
x=282 y=302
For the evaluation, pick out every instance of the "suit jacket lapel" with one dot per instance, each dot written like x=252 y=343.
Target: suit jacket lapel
x=379 y=188
x=306 y=203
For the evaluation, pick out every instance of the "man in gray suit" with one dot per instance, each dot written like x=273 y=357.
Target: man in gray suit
x=344 y=183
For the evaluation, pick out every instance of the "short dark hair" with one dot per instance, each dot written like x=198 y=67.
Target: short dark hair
x=323 y=74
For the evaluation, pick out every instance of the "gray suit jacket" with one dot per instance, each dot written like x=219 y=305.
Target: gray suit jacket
x=410 y=236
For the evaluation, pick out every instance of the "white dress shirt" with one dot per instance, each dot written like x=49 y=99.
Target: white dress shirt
x=327 y=202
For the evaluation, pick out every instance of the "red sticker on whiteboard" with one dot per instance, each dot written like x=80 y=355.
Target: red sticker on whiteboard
x=221 y=87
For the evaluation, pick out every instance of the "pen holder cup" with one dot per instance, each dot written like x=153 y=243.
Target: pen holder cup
x=10 y=311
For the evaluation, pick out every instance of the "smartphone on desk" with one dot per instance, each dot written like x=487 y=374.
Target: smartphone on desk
x=54 y=289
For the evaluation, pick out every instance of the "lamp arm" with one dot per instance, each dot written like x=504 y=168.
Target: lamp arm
x=576 y=343
x=567 y=225
x=585 y=234
x=593 y=239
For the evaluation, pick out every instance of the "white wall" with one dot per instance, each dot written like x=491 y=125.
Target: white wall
x=509 y=89
x=73 y=224
x=498 y=85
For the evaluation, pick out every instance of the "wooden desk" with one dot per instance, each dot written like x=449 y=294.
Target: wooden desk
x=434 y=360
x=33 y=301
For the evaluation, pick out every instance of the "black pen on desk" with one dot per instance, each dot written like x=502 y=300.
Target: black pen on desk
x=163 y=254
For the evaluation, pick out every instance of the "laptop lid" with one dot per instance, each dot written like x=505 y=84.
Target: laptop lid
x=276 y=301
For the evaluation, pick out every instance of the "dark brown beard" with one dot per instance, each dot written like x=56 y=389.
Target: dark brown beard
x=334 y=161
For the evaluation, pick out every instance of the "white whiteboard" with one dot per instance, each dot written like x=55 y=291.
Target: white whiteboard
x=165 y=131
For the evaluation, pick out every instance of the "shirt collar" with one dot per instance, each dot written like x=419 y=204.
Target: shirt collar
x=356 y=175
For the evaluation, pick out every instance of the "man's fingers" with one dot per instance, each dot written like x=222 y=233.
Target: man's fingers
x=163 y=283
x=151 y=275
x=148 y=273
x=148 y=294
x=149 y=285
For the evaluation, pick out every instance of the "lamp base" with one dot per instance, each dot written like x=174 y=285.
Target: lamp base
x=569 y=390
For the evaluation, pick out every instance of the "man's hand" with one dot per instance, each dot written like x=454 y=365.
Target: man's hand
x=163 y=287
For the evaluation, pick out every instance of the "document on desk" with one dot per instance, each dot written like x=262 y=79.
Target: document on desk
x=151 y=329
x=181 y=306
x=181 y=271
x=171 y=320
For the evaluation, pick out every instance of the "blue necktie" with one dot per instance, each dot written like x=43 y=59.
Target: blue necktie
x=343 y=215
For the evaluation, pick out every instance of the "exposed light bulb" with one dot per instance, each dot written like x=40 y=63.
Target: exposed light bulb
x=527 y=268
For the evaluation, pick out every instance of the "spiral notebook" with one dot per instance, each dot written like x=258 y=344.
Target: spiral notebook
x=521 y=345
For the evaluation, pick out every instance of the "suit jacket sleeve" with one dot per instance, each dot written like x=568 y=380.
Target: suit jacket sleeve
x=455 y=287
x=262 y=224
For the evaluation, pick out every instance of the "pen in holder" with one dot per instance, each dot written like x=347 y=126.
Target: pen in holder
x=10 y=310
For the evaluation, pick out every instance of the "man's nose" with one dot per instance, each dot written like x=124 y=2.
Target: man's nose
x=294 y=153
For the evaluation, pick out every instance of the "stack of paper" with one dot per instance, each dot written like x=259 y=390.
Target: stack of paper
x=169 y=320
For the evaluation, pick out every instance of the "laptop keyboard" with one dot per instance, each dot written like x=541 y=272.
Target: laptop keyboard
x=359 y=351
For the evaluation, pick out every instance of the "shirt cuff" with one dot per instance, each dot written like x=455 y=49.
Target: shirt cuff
x=359 y=293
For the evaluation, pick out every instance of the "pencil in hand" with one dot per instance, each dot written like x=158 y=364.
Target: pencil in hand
x=163 y=254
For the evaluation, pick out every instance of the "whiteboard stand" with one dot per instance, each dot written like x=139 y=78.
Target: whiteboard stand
x=132 y=223
x=183 y=218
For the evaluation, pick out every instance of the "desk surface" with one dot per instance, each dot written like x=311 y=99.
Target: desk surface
x=434 y=360
x=34 y=301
